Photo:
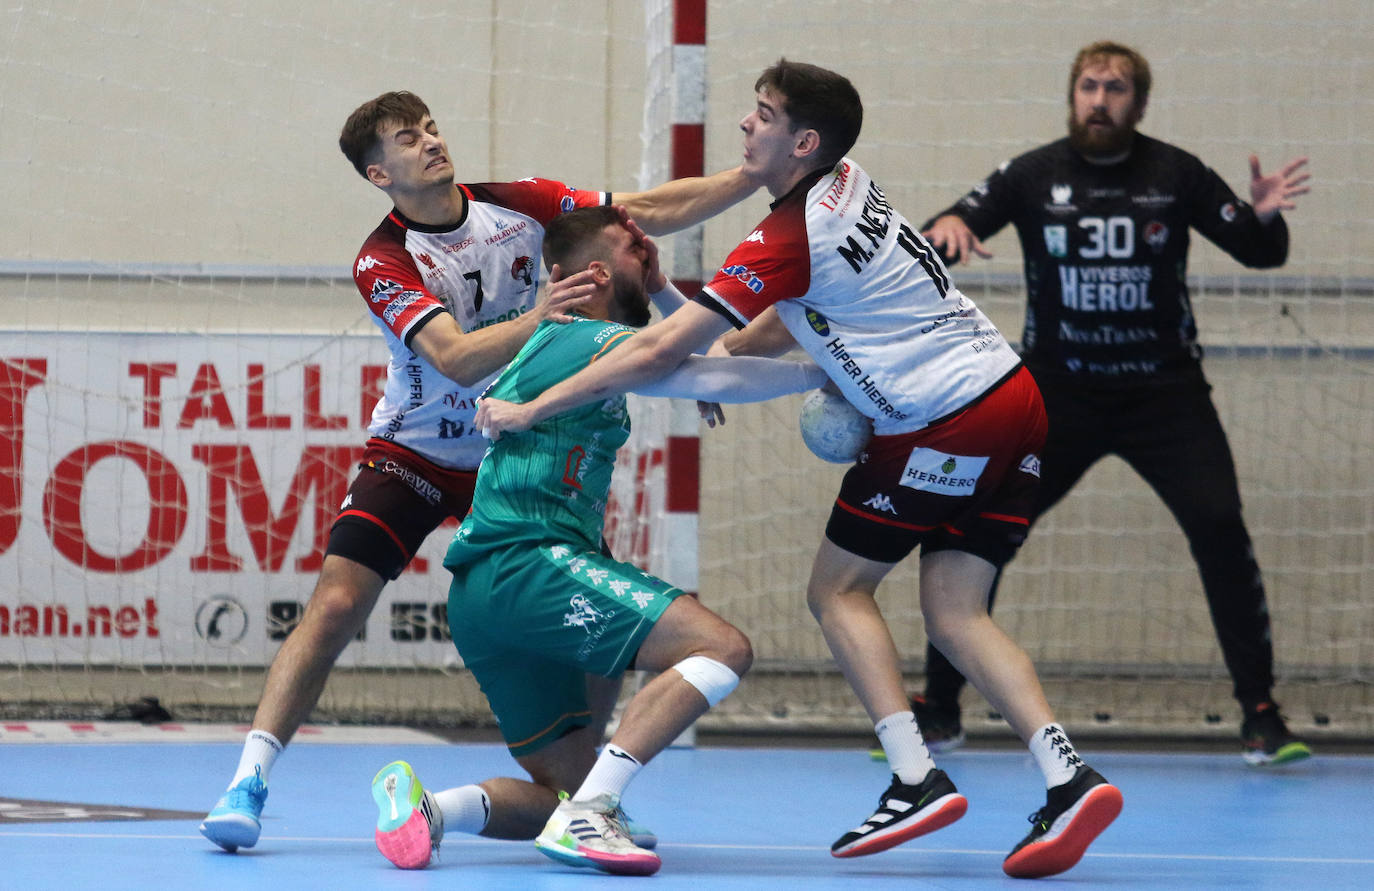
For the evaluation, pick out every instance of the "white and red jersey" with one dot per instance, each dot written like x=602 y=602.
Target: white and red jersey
x=868 y=299
x=482 y=271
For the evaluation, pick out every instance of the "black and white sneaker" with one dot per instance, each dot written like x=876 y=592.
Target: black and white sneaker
x=1074 y=814
x=904 y=812
x=1267 y=740
x=939 y=723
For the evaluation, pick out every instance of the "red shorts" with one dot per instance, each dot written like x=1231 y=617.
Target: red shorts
x=966 y=483
x=396 y=500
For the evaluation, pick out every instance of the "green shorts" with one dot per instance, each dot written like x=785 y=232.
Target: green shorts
x=531 y=621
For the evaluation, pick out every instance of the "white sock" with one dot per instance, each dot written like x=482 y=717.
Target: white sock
x=612 y=772
x=260 y=751
x=906 y=750
x=466 y=809
x=1055 y=755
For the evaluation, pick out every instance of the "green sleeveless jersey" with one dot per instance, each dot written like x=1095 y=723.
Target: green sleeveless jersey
x=548 y=483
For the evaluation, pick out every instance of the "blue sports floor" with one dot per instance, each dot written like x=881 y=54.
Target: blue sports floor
x=753 y=818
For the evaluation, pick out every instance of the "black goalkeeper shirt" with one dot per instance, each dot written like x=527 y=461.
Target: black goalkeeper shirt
x=1106 y=252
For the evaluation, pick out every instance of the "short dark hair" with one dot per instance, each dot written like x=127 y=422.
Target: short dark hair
x=1103 y=50
x=360 y=138
x=573 y=240
x=817 y=99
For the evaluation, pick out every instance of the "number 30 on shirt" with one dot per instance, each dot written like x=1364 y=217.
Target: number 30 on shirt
x=1110 y=237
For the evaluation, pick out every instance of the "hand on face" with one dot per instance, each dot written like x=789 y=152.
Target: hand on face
x=564 y=294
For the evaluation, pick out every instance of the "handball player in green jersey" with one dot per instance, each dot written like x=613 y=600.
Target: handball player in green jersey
x=536 y=604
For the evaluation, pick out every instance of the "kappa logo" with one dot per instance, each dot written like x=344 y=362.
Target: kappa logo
x=367 y=263
x=619 y=587
x=881 y=503
x=756 y=235
x=643 y=598
x=558 y=552
x=597 y=576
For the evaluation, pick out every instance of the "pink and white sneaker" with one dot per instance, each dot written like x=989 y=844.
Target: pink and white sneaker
x=409 y=822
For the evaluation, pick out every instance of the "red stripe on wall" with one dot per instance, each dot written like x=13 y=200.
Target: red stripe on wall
x=689 y=21
x=689 y=150
x=684 y=474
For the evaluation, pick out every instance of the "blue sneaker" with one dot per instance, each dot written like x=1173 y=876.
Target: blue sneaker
x=234 y=822
x=641 y=835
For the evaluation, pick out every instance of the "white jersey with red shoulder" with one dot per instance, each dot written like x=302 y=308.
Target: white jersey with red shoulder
x=866 y=296
x=482 y=271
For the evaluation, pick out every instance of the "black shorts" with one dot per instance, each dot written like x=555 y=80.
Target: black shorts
x=397 y=499
x=967 y=483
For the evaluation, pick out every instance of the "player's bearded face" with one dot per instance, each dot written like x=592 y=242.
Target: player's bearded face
x=1099 y=135
x=631 y=300
x=1104 y=113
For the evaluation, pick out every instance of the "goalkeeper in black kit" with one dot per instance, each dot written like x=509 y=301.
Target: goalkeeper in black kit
x=1103 y=216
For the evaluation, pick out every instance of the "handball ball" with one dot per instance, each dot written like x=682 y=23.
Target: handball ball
x=833 y=429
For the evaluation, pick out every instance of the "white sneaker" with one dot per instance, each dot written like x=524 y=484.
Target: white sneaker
x=409 y=822
x=590 y=834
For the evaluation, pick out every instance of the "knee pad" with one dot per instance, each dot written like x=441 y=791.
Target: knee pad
x=715 y=680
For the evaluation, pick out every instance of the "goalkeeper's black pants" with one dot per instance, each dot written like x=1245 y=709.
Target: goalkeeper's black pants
x=1170 y=434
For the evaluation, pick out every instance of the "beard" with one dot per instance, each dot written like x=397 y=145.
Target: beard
x=631 y=303
x=1100 y=143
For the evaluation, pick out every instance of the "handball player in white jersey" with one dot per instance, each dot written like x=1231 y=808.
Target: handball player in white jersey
x=451 y=277
x=952 y=467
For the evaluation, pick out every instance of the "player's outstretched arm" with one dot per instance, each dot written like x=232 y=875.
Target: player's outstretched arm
x=1274 y=193
x=685 y=202
x=468 y=357
x=735 y=379
x=648 y=355
x=764 y=336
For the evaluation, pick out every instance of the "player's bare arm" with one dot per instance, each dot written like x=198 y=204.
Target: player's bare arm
x=1274 y=193
x=650 y=354
x=680 y=203
x=764 y=336
x=468 y=357
x=667 y=299
x=952 y=237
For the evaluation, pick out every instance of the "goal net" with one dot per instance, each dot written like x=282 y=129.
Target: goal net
x=188 y=368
